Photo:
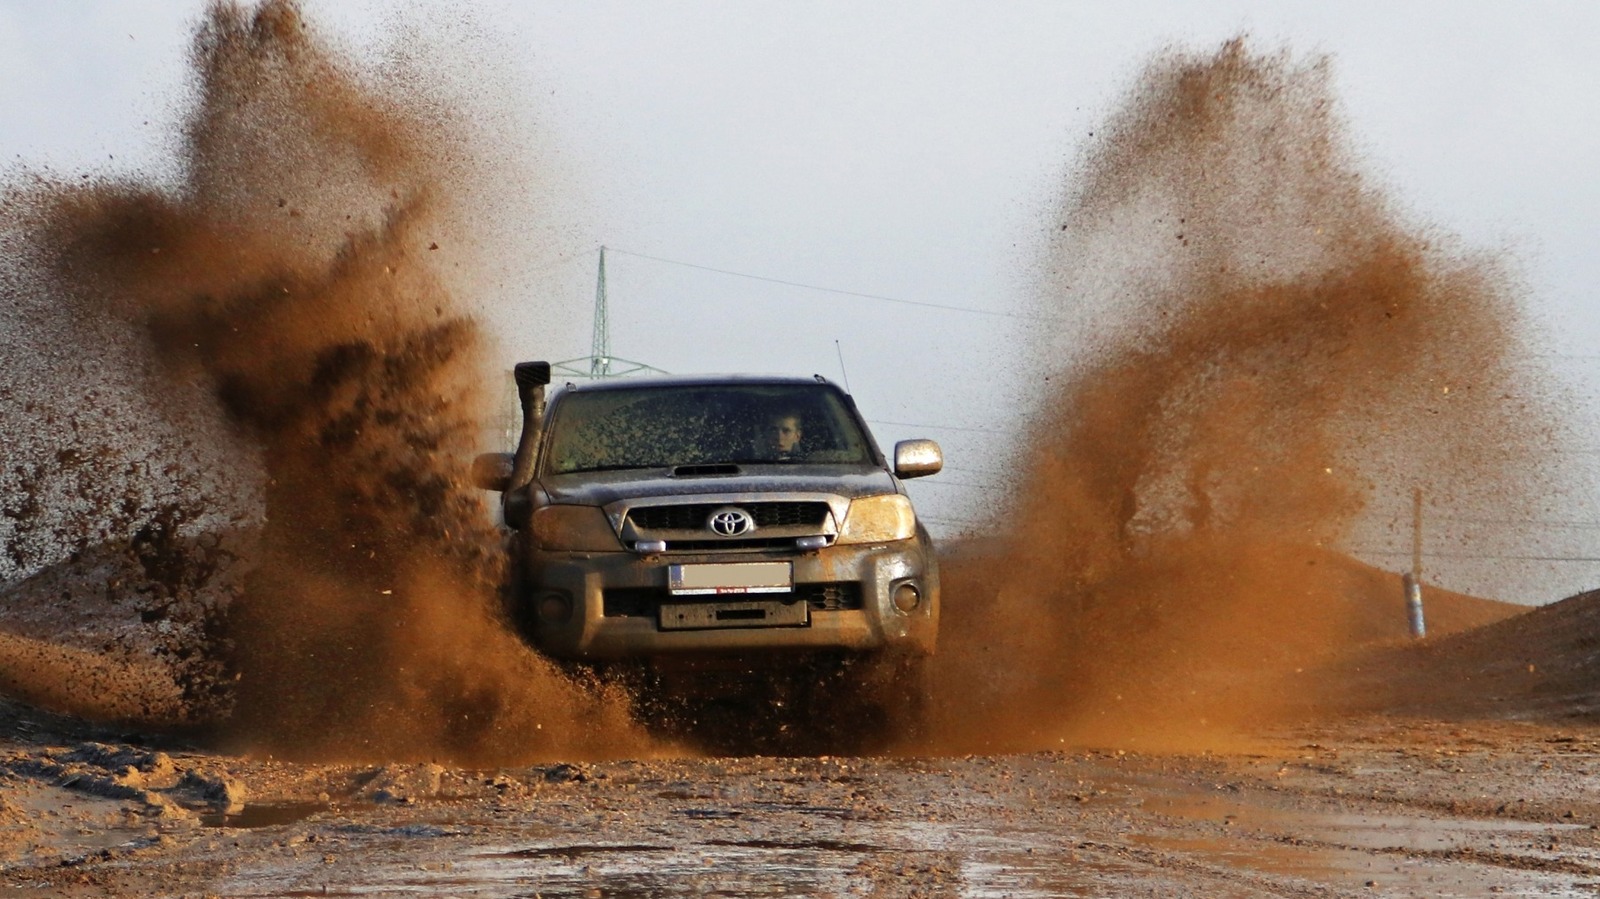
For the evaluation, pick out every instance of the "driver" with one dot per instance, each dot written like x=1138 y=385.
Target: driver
x=780 y=438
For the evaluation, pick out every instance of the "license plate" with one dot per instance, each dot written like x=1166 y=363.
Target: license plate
x=686 y=616
x=730 y=578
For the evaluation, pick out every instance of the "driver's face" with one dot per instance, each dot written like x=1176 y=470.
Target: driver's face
x=783 y=434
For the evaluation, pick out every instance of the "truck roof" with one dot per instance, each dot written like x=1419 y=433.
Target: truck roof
x=702 y=380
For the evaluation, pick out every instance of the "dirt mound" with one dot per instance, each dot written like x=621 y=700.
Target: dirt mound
x=155 y=602
x=1185 y=649
x=1542 y=664
x=109 y=687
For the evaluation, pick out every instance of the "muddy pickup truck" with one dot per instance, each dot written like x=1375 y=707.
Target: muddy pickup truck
x=732 y=525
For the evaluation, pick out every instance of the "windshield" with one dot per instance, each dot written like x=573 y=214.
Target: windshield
x=666 y=426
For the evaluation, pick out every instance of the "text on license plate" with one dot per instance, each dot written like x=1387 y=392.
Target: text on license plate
x=730 y=577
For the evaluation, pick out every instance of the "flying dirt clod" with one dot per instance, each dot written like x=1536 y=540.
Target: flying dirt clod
x=1255 y=349
x=263 y=367
x=293 y=271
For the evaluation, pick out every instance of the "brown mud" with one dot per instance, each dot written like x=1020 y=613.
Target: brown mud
x=302 y=268
x=1257 y=347
x=1384 y=807
x=1541 y=665
x=237 y=400
x=252 y=385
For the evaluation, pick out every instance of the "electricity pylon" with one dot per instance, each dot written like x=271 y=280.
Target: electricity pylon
x=600 y=363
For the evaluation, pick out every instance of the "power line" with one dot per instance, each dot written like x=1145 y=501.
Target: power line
x=1581 y=525
x=1475 y=557
x=546 y=268
x=834 y=290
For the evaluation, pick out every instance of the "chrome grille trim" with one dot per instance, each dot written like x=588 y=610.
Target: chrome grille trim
x=692 y=516
x=681 y=521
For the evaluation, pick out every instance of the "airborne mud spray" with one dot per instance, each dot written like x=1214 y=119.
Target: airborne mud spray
x=1250 y=350
x=298 y=347
x=237 y=400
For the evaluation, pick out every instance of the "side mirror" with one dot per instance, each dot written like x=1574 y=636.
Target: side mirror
x=917 y=458
x=492 y=471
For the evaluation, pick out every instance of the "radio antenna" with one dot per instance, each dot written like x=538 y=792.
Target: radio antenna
x=841 y=367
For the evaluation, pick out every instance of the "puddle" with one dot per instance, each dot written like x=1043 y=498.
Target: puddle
x=774 y=863
x=1438 y=856
x=264 y=814
x=821 y=811
x=755 y=867
x=579 y=851
x=1414 y=833
x=1385 y=873
x=1025 y=863
x=1142 y=834
x=1350 y=851
x=813 y=845
x=705 y=814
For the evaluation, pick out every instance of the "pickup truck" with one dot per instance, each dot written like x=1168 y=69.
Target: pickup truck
x=730 y=524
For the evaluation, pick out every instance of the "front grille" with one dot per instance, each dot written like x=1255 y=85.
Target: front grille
x=841 y=596
x=645 y=602
x=729 y=544
x=692 y=517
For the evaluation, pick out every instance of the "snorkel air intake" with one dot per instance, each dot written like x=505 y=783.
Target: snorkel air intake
x=531 y=379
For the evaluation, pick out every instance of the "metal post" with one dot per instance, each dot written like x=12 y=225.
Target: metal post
x=1413 y=588
x=1413 y=578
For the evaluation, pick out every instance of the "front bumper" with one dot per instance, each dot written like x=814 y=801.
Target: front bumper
x=588 y=633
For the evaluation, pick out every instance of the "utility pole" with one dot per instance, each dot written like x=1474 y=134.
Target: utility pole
x=1413 y=578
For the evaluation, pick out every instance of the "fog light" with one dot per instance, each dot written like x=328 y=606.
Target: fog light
x=555 y=608
x=907 y=598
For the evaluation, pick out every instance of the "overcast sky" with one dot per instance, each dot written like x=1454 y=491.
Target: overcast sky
x=906 y=150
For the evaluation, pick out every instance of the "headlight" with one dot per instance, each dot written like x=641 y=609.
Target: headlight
x=878 y=519
x=574 y=528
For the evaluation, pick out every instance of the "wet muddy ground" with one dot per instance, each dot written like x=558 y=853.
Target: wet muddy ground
x=1364 y=806
x=281 y=345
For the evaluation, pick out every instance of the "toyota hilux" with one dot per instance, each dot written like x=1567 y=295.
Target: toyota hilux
x=728 y=523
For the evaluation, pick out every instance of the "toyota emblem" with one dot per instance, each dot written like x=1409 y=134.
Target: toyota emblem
x=730 y=522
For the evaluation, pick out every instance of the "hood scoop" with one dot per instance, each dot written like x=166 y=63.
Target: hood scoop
x=701 y=471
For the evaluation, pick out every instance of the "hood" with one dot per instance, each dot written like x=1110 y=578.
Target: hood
x=601 y=488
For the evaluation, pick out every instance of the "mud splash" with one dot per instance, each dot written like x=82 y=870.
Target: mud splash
x=1258 y=350
x=298 y=292
x=244 y=394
